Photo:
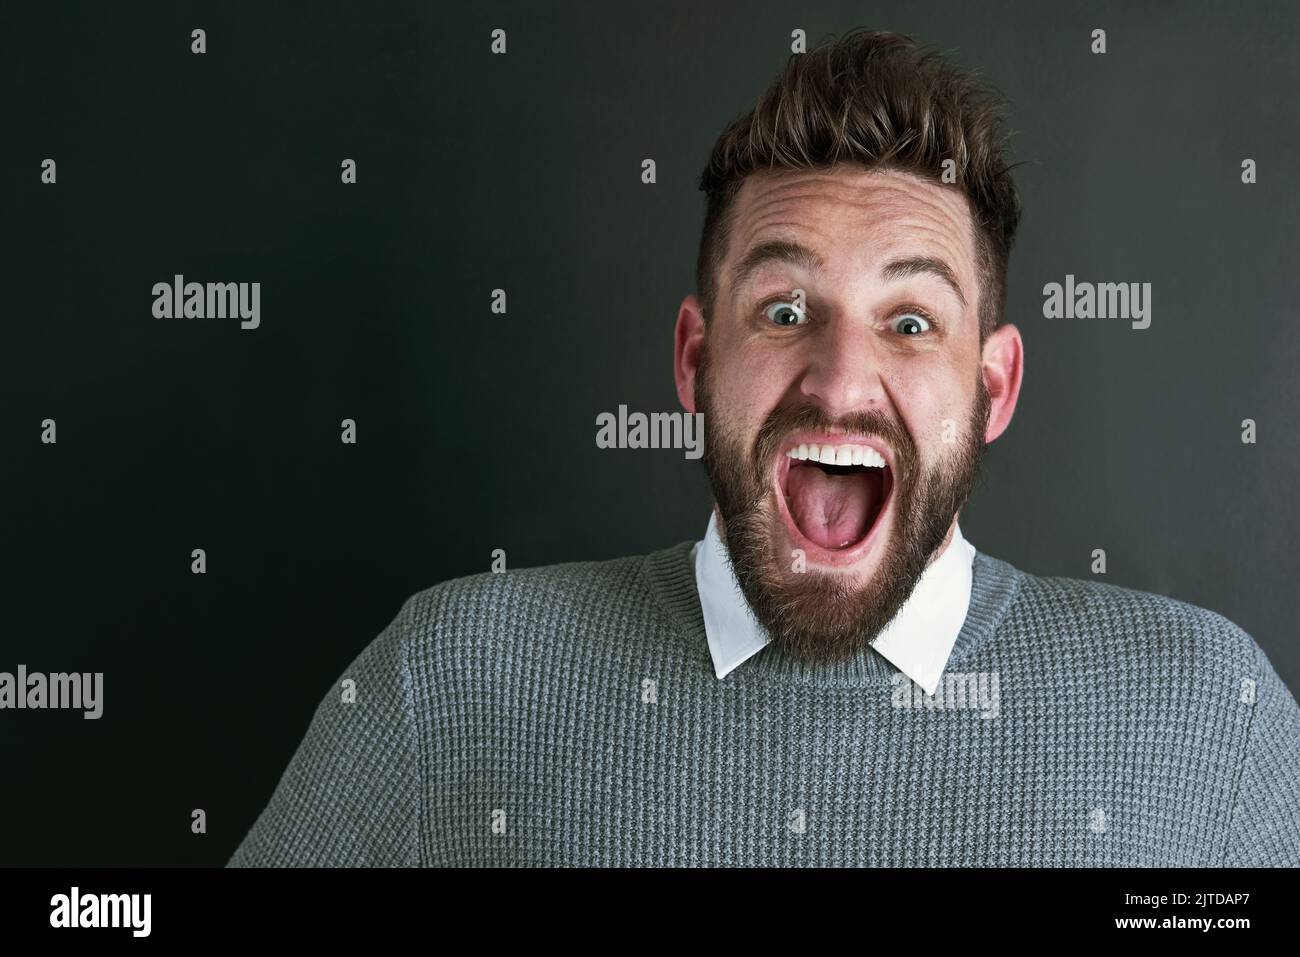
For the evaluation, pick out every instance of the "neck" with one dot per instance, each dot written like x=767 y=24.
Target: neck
x=943 y=547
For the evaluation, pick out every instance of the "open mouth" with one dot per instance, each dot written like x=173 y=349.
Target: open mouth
x=834 y=494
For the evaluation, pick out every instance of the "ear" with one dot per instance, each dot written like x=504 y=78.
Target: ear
x=1002 y=366
x=688 y=340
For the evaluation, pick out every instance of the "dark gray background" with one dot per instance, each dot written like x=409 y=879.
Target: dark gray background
x=477 y=431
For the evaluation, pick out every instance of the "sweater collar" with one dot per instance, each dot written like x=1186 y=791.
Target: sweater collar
x=917 y=641
x=669 y=575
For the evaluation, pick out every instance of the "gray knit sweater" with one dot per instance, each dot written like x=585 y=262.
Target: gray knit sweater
x=570 y=715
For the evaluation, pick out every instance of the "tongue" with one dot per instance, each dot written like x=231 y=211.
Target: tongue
x=832 y=510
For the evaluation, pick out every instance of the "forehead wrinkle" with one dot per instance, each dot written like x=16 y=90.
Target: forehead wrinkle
x=782 y=208
x=922 y=218
x=860 y=189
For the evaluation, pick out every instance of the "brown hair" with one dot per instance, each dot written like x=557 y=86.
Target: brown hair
x=882 y=101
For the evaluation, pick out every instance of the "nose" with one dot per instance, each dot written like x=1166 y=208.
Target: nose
x=842 y=369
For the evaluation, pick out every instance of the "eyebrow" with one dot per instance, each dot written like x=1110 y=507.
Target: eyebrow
x=922 y=265
x=776 y=250
x=795 y=254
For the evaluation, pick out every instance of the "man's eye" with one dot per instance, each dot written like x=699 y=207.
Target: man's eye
x=785 y=314
x=910 y=324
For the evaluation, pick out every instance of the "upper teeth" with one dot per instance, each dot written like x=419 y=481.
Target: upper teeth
x=839 y=455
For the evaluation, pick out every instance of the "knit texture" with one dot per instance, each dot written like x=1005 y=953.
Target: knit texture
x=569 y=715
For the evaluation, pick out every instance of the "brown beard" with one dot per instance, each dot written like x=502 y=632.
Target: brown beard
x=812 y=615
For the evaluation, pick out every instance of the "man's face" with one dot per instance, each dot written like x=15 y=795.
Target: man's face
x=846 y=319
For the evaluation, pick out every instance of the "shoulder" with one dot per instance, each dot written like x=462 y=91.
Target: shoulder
x=517 y=604
x=1126 y=626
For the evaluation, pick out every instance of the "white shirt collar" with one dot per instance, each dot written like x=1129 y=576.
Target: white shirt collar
x=918 y=641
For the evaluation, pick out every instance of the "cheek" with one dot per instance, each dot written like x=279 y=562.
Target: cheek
x=749 y=385
x=934 y=406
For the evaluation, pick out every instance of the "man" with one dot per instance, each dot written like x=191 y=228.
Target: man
x=834 y=675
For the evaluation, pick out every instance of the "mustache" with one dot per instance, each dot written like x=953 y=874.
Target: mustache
x=872 y=423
